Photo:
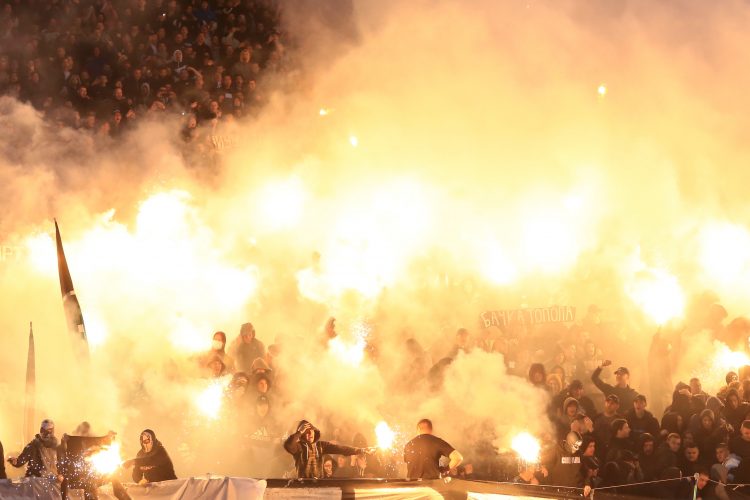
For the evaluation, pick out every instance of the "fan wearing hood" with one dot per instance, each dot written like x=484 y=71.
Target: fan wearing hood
x=152 y=464
x=40 y=455
x=308 y=450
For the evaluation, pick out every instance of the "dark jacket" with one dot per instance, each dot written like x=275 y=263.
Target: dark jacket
x=646 y=424
x=158 y=461
x=625 y=394
x=32 y=455
x=564 y=468
x=665 y=458
x=302 y=451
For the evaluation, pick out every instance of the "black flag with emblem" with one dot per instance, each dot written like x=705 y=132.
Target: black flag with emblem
x=72 y=308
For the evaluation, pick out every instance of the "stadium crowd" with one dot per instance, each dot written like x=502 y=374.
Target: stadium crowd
x=104 y=65
x=602 y=434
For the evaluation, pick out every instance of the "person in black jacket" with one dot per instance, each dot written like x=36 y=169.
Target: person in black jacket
x=40 y=455
x=152 y=464
x=622 y=390
x=308 y=450
x=640 y=419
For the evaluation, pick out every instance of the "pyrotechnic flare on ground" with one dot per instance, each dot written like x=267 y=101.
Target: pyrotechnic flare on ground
x=152 y=464
x=40 y=455
x=622 y=390
x=79 y=472
x=308 y=450
x=247 y=348
x=422 y=454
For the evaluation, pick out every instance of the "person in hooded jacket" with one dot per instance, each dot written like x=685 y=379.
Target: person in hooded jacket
x=247 y=348
x=735 y=411
x=152 y=464
x=671 y=423
x=308 y=450
x=570 y=410
x=575 y=390
x=40 y=455
x=640 y=419
x=218 y=351
x=647 y=456
x=710 y=433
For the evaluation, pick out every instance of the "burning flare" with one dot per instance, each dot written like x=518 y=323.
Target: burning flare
x=726 y=359
x=107 y=460
x=210 y=399
x=384 y=435
x=527 y=447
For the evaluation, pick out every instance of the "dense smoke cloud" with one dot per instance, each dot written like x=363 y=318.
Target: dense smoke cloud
x=447 y=159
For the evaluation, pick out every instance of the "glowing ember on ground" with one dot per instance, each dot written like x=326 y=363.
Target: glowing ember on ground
x=108 y=460
x=210 y=399
x=385 y=435
x=527 y=447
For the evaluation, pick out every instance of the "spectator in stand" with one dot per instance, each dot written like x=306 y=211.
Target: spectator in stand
x=603 y=424
x=537 y=375
x=218 y=351
x=668 y=455
x=735 y=411
x=709 y=434
x=461 y=344
x=247 y=348
x=622 y=389
x=696 y=388
x=575 y=390
x=691 y=461
x=641 y=420
x=620 y=440
x=647 y=456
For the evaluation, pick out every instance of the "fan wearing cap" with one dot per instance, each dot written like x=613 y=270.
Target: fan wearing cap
x=622 y=389
x=40 y=455
x=640 y=419
x=603 y=425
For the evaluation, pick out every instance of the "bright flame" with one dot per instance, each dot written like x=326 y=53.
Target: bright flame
x=658 y=294
x=108 y=460
x=371 y=243
x=527 y=447
x=210 y=399
x=354 y=141
x=725 y=252
x=496 y=267
x=282 y=203
x=726 y=359
x=602 y=90
x=42 y=253
x=384 y=435
x=323 y=111
x=351 y=353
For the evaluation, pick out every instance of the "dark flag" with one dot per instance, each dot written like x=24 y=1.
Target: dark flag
x=29 y=419
x=70 y=301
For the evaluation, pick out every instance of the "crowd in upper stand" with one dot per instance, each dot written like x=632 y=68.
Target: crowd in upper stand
x=104 y=65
